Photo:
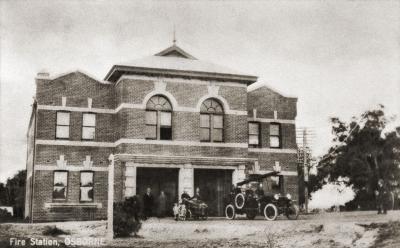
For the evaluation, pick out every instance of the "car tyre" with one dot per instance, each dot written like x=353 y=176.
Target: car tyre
x=270 y=212
x=239 y=200
x=230 y=213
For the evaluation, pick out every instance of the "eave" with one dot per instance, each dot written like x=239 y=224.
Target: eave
x=117 y=70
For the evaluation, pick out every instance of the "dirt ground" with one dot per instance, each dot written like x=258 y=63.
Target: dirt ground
x=346 y=229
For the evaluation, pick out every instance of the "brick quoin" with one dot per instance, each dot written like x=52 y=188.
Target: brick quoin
x=114 y=124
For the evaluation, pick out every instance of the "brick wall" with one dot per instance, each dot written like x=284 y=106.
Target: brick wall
x=266 y=161
x=74 y=155
x=180 y=150
x=77 y=87
x=266 y=101
x=130 y=123
x=43 y=194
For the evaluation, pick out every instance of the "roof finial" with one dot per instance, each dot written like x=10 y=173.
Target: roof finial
x=174 y=40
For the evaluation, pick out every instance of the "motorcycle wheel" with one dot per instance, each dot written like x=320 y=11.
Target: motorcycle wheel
x=230 y=213
x=292 y=212
x=270 y=212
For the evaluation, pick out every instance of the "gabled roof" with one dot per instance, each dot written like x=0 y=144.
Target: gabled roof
x=54 y=77
x=175 y=51
x=174 y=61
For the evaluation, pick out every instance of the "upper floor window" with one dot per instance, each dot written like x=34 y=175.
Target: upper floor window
x=275 y=135
x=158 y=118
x=88 y=126
x=211 y=121
x=60 y=185
x=62 y=128
x=86 y=186
x=254 y=134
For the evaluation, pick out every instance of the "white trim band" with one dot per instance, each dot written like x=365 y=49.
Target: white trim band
x=272 y=150
x=284 y=173
x=127 y=106
x=74 y=143
x=179 y=143
x=268 y=120
x=69 y=168
x=76 y=109
x=72 y=204
x=138 y=141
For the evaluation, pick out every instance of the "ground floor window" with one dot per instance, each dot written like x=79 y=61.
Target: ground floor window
x=60 y=185
x=86 y=186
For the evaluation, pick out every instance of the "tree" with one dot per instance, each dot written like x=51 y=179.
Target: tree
x=13 y=193
x=363 y=153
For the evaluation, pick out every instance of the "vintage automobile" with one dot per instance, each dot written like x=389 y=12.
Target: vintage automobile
x=244 y=199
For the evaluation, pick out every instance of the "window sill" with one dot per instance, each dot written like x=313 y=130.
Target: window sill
x=72 y=205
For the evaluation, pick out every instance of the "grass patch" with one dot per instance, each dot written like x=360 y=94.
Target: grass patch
x=388 y=233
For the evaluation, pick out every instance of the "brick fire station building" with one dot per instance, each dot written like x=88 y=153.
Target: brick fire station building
x=172 y=122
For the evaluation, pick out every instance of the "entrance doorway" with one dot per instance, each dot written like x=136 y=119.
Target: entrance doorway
x=214 y=186
x=159 y=179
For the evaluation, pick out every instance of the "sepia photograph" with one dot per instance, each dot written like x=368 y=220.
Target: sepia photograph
x=195 y=124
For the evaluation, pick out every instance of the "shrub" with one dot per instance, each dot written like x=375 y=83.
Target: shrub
x=5 y=216
x=124 y=218
x=53 y=231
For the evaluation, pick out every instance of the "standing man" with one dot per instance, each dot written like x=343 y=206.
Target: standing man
x=162 y=205
x=148 y=203
x=381 y=197
x=197 y=194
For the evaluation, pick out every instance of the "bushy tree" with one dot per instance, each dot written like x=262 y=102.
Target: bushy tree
x=363 y=153
x=125 y=222
x=13 y=193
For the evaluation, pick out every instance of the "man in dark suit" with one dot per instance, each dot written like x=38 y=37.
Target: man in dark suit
x=381 y=197
x=148 y=203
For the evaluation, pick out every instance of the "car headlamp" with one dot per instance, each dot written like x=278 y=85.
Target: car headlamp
x=289 y=196
x=276 y=196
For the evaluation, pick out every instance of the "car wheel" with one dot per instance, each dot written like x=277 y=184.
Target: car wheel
x=270 y=212
x=239 y=201
x=292 y=212
x=230 y=213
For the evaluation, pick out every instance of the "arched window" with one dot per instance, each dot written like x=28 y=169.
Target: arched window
x=211 y=121
x=158 y=118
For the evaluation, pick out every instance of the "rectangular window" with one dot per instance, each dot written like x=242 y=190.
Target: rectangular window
x=62 y=127
x=86 y=186
x=151 y=125
x=165 y=126
x=60 y=185
x=254 y=134
x=218 y=125
x=205 y=127
x=275 y=135
x=277 y=183
x=88 y=126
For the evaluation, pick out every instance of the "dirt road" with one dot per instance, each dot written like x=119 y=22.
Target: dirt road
x=350 y=229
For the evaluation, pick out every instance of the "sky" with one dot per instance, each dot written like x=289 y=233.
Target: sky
x=339 y=58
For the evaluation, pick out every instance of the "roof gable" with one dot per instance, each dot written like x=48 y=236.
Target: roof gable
x=175 y=51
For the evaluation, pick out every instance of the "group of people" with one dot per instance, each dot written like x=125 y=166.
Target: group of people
x=154 y=206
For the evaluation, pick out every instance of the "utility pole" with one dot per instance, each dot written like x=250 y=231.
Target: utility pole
x=305 y=168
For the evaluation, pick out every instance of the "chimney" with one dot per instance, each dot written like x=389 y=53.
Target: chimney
x=43 y=74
